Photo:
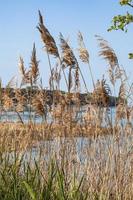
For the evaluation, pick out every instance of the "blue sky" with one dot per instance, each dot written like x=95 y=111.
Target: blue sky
x=18 y=21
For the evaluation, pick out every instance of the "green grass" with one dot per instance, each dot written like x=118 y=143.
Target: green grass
x=20 y=180
x=107 y=173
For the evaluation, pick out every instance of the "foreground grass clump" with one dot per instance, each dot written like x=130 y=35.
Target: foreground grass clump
x=81 y=168
x=23 y=181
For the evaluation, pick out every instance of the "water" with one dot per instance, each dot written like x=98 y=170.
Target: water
x=26 y=116
x=81 y=150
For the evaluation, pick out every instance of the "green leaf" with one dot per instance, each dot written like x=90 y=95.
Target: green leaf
x=30 y=190
x=130 y=55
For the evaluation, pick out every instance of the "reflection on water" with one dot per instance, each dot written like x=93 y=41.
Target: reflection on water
x=26 y=116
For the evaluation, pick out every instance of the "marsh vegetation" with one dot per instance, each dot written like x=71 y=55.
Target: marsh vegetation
x=64 y=158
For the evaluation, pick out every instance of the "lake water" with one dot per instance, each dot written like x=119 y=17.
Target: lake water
x=78 y=150
x=25 y=116
x=82 y=151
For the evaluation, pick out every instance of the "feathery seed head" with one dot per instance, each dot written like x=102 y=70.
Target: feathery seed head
x=47 y=39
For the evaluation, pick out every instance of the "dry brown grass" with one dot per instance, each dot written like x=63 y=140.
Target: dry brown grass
x=16 y=136
x=97 y=148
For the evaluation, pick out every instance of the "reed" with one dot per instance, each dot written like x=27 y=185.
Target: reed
x=63 y=157
x=104 y=171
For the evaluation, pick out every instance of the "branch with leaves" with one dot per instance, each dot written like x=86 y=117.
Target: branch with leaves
x=121 y=22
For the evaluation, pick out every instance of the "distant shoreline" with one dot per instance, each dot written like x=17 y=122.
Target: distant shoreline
x=84 y=98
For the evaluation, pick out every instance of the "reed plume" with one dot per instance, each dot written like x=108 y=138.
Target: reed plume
x=107 y=52
x=34 y=69
x=20 y=100
x=55 y=77
x=7 y=100
x=12 y=83
x=21 y=66
x=40 y=103
x=47 y=38
x=101 y=93
x=110 y=56
x=69 y=60
x=49 y=42
x=84 y=55
x=124 y=112
x=122 y=93
x=26 y=75
x=8 y=103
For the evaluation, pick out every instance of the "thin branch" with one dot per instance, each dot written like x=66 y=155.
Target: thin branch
x=129 y=4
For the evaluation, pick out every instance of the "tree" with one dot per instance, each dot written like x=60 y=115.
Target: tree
x=120 y=22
